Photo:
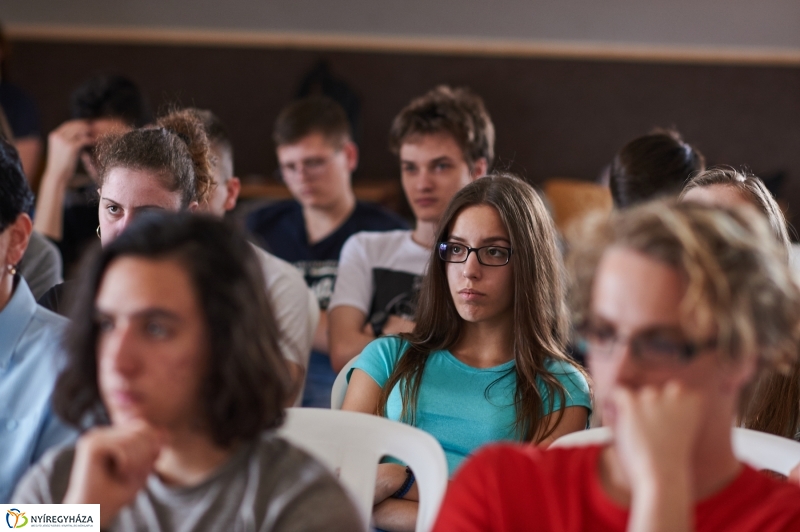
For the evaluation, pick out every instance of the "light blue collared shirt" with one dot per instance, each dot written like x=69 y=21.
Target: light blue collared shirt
x=30 y=359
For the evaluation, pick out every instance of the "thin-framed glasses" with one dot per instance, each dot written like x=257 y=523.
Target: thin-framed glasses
x=657 y=347
x=487 y=255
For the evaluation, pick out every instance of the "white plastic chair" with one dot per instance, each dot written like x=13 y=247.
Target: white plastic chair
x=340 y=385
x=353 y=443
x=757 y=449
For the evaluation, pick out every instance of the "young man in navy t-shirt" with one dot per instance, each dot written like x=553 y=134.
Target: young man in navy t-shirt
x=317 y=157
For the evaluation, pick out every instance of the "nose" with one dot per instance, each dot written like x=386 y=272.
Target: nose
x=117 y=350
x=626 y=369
x=472 y=268
x=424 y=181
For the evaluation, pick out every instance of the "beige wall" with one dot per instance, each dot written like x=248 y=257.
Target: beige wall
x=698 y=23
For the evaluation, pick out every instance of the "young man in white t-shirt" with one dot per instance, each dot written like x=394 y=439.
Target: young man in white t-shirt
x=294 y=305
x=445 y=140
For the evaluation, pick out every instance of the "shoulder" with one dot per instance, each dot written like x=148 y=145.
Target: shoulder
x=567 y=373
x=379 y=358
x=753 y=498
x=513 y=482
x=386 y=347
x=528 y=469
x=380 y=243
x=39 y=245
x=372 y=217
x=46 y=482
x=273 y=213
x=300 y=493
x=276 y=270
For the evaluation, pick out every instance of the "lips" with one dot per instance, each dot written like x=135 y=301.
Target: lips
x=125 y=398
x=469 y=294
x=425 y=202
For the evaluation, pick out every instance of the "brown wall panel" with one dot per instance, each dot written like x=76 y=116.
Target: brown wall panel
x=553 y=117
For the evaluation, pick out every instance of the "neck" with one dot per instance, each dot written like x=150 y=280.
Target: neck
x=188 y=458
x=425 y=234
x=6 y=288
x=713 y=464
x=322 y=221
x=485 y=345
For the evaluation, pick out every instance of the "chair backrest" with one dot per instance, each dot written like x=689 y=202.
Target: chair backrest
x=766 y=451
x=340 y=385
x=572 y=199
x=351 y=444
x=757 y=449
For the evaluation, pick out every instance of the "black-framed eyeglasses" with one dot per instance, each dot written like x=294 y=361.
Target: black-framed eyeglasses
x=651 y=347
x=487 y=255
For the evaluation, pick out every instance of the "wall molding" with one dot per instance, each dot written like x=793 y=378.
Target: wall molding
x=544 y=49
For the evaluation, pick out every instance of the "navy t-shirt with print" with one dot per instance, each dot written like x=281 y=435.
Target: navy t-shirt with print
x=280 y=229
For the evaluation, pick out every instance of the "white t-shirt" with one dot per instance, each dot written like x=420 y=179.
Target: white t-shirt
x=295 y=307
x=380 y=272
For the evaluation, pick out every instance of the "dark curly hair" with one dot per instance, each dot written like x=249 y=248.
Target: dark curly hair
x=246 y=384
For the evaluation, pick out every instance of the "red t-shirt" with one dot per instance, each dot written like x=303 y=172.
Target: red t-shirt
x=509 y=488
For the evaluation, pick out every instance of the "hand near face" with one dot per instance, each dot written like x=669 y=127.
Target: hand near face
x=64 y=146
x=111 y=466
x=655 y=431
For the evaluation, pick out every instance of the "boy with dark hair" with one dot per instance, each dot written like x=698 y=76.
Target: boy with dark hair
x=317 y=157
x=445 y=140
x=66 y=207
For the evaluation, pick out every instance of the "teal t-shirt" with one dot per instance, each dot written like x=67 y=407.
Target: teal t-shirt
x=461 y=406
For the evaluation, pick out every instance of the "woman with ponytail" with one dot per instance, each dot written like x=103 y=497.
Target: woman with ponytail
x=165 y=167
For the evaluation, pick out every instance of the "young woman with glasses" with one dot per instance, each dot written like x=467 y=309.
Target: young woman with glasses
x=486 y=359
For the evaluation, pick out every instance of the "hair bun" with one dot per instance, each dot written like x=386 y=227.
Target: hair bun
x=186 y=125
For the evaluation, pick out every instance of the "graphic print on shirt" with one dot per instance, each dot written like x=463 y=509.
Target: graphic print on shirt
x=320 y=276
x=395 y=294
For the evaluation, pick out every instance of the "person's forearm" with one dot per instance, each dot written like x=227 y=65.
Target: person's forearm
x=49 y=216
x=321 y=334
x=663 y=504
x=346 y=345
x=396 y=515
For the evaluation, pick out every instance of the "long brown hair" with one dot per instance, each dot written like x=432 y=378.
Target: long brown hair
x=540 y=317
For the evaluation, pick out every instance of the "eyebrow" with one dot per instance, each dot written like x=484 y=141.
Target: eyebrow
x=137 y=207
x=597 y=319
x=144 y=313
x=487 y=240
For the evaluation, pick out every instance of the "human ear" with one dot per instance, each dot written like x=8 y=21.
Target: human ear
x=479 y=168
x=19 y=235
x=193 y=206
x=233 y=186
x=351 y=153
